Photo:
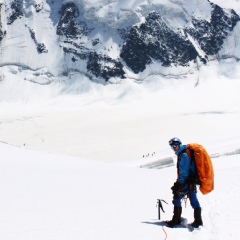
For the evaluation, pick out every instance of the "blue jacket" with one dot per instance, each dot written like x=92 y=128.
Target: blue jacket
x=186 y=169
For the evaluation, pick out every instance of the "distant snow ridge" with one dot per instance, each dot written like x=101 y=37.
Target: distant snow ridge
x=106 y=41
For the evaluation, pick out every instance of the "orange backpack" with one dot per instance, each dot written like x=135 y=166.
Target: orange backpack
x=204 y=167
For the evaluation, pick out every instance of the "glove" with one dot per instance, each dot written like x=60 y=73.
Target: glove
x=176 y=187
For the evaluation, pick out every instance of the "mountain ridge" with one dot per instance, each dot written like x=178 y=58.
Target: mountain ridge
x=114 y=39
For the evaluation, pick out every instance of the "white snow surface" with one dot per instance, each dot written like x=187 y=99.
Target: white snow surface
x=70 y=157
x=71 y=150
x=130 y=119
x=57 y=197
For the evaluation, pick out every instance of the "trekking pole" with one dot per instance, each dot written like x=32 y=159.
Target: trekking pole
x=159 y=205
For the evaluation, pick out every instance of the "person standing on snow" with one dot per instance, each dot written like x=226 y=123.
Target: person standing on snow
x=184 y=185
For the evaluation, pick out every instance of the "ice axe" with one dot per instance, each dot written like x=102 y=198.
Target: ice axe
x=159 y=205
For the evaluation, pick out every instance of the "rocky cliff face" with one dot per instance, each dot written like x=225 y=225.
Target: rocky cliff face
x=104 y=44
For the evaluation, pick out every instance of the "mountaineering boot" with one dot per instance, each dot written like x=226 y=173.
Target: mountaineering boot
x=197 y=218
x=176 y=219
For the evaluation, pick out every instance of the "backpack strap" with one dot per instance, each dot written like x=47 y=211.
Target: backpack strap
x=190 y=154
x=179 y=159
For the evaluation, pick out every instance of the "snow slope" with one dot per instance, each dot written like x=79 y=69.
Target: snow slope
x=71 y=152
x=54 y=196
x=130 y=119
x=48 y=197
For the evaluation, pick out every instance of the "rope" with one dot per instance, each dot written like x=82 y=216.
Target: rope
x=164 y=232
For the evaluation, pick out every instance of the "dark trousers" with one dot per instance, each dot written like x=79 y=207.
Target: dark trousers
x=177 y=200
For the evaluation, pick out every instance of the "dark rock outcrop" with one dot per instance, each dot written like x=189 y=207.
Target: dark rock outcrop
x=41 y=48
x=211 y=35
x=154 y=40
x=98 y=65
x=69 y=25
x=16 y=7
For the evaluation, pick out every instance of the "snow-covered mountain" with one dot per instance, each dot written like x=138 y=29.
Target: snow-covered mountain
x=45 y=40
x=71 y=148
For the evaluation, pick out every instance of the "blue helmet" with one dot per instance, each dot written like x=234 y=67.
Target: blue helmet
x=175 y=141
